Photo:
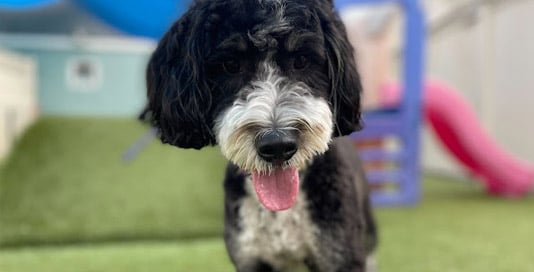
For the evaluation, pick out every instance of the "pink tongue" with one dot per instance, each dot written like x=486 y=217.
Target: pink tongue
x=278 y=190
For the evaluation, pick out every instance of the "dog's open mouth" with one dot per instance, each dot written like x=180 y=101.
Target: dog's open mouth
x=278 y=189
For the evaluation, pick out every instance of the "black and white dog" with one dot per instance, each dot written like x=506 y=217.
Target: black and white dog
x=274 y=84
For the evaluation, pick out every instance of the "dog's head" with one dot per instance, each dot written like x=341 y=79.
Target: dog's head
x=270 y=81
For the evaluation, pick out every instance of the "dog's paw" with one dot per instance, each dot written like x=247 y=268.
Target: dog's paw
x=371 y=264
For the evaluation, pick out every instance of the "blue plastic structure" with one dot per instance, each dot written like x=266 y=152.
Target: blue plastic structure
x=20 y=5
x=146 y=18
x=396 y=180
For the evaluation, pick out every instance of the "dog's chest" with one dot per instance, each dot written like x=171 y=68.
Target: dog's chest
x=281 y=238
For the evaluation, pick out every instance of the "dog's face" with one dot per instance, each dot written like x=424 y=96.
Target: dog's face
x=270 y=81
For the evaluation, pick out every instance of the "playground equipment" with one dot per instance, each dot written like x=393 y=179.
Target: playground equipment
x=140 y=17
x=456 y=125
x=20 y=5
x=394 y=172
x=144 y=18
x=397 y=182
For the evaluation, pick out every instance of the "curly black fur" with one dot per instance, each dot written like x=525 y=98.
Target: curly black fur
x=186 y=92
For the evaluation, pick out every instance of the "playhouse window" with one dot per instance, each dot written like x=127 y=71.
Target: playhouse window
x=84 y=74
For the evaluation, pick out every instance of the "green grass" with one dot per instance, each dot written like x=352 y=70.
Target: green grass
x=66 y=184
x=202 y=255
x=458 y=228
x=455 y=228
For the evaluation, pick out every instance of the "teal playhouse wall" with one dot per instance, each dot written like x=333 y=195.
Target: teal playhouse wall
x=121 y=63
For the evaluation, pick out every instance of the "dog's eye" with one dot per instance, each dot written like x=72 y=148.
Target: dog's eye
x=232 y=66
x=300 y=62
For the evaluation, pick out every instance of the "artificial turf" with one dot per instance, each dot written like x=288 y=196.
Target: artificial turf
x=66 y=182
x=68 y=203
x=200 y=255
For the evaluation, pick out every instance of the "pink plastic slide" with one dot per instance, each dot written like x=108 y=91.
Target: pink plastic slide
x=456 y=125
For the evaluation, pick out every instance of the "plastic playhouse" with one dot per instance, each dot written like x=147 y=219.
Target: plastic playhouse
x=393 y=169
x=455 y=124
x=396 y=179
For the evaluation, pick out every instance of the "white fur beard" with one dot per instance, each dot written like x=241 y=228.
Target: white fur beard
x=274 y=102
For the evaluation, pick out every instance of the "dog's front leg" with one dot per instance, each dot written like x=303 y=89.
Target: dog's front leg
x=337 y=254
x=334 y=264
x=255 y=266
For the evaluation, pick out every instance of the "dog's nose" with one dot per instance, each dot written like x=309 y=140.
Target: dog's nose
x=276 y=146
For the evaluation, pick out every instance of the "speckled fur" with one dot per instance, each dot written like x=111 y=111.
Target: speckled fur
x=329 y=229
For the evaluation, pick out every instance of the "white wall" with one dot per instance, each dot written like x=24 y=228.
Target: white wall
x=18 y=102
x=490 y=60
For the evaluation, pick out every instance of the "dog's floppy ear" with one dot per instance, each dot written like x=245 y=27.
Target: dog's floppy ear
x=179 y=98
x=345 y=79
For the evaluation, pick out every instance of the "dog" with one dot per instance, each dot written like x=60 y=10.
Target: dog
x=275 y=85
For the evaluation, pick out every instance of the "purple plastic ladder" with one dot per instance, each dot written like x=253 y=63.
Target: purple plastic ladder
x=396 y=181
